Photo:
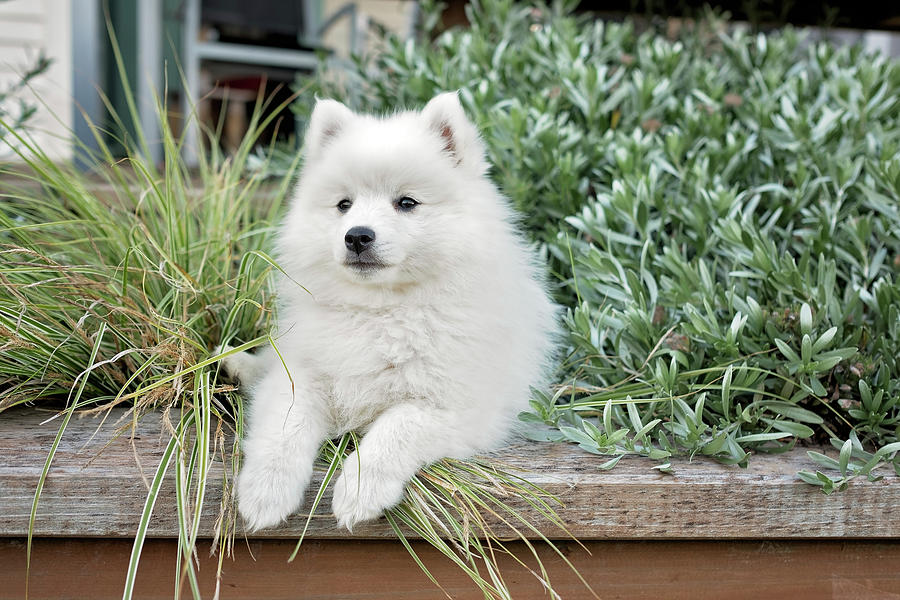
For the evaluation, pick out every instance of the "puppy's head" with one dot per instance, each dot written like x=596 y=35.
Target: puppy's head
x=388 y=201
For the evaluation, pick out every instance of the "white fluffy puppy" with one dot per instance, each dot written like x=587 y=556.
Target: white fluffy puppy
x=425 y=321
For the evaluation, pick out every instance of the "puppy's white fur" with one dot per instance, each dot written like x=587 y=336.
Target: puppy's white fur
x=430 y=355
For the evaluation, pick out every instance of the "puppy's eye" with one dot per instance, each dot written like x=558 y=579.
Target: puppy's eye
x=405 y=204
x=344 y=205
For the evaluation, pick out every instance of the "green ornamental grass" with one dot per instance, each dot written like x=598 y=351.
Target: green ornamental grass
x=720 y=214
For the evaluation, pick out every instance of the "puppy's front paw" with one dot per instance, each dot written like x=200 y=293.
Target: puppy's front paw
x=230 y=364
x=267 y=495
x=363 y=495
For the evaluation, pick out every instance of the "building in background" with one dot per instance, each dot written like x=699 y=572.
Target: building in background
x=209 y=58
x=28 y=29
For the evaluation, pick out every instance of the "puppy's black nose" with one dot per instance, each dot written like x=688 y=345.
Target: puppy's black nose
x=358 y=239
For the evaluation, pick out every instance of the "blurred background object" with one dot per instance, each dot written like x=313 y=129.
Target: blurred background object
x=30 y=30
x=211 y=60
x=207 y=59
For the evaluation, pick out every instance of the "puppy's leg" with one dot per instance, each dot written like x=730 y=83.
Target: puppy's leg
x=286 y=428
x=243 y=366
x=401 y=441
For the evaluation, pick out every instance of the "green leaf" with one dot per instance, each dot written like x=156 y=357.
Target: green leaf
x=809 y=478
x=715 y=445
x=823 y=460
x=577 y=436
x=761 y=437
x=610 y=463
x=633 y=415
x=726 y=391
x=805 y=319
x=887 y=449
x=865 y=393
x=639 y=435
x=607 y=418
x=796 y=429
x=792 y=411
x=823 y=340
x=806 y=349
x=543 y=433
x=817 y=388
x=657 y=454
x=826 y=481
x=786 y=351
x=617 y=435
x=845 y=457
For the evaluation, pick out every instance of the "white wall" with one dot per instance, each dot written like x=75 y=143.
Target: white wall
x=26 y=28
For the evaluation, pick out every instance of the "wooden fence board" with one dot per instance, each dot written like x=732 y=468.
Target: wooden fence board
x=381 y=570
x=97 y=486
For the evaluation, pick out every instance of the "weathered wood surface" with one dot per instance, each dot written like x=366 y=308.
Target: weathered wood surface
x=97 y=487
x=382 y=570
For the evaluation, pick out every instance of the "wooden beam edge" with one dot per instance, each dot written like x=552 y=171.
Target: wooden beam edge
x=97 y=488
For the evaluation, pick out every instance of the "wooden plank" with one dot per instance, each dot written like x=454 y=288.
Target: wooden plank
x=381 y=570
x=97 y=486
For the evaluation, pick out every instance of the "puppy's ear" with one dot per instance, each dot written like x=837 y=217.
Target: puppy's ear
x=329 y=118
x=446 y=118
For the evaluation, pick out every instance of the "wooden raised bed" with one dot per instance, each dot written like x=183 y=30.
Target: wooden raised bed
x=708 y=531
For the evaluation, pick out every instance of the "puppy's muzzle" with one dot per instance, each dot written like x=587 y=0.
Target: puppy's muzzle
x=359 y=239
